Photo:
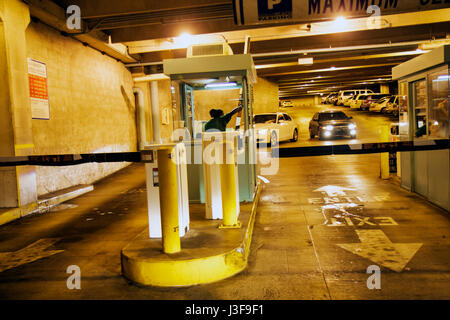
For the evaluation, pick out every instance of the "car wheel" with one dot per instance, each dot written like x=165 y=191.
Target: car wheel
x=273 y=139
x=383 y=110
x=295 y=136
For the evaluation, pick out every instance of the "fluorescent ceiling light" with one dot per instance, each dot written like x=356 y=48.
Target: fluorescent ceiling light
x=305 y=60
x=184 y=40
x=221 y=85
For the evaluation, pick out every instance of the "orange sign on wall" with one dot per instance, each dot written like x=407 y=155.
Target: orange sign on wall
x=37 y=80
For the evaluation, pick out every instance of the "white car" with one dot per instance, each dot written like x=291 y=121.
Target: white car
x=348 y=102
x=346 y=94
x=286 y=104
x=356 y=103
x=274 y=127
x=392 y=106
x=379 y=105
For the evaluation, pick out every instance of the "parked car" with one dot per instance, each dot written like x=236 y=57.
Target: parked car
x=379 y=105
x=356 y=103
x=392 y=106
x=332 y=98
x=326 y=99
x=365 y=105
x=286 y=104
x=331 y=123
x=349 y=100
x=343 y=95
x=272 y=128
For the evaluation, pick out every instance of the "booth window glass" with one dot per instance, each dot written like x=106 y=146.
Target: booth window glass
x=420 y=103
x=403 y=110
x=438 y=84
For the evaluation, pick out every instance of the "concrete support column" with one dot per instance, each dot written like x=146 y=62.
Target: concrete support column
x=384 y=88
x=17 y=184
x=155 y=112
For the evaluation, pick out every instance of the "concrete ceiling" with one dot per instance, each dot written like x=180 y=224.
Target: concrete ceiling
x=349 y=53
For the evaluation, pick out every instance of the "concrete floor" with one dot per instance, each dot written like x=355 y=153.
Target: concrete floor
x=306 y=243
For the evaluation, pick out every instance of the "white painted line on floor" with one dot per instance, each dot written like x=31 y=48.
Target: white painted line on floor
x=30 y=253
x=377 y=247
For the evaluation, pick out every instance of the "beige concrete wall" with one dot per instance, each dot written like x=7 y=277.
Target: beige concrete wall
x=303 y=102
x=91 y=108
x=265 y=96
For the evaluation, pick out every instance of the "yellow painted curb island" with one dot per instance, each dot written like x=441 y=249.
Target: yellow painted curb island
x=17 y=213
x=191 y=267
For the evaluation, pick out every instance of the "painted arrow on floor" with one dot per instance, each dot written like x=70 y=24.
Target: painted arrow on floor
x=377 y=247
x=334 y=191
x=30 y=253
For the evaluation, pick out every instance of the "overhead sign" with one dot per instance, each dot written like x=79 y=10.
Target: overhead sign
x=247 y=12
x=37 y=80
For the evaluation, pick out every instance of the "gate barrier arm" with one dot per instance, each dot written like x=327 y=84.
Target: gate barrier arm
x=147 y=155
x=379 y=147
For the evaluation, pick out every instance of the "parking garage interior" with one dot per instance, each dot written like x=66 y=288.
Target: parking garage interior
x=139 y=78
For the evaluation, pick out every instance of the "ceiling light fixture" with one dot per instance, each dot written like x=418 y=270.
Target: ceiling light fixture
x=305 y=61
x=221 y=85
x=184 y=39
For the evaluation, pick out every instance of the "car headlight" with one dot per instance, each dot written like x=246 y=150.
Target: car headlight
x=329 y=127
x=351 y=126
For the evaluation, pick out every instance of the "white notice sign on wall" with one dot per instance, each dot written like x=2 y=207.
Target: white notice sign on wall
x=37 y=79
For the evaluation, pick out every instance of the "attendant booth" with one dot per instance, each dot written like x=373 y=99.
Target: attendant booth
x=423 y=115
x=202 y=83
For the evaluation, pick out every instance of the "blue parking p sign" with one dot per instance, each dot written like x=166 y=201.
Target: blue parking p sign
x=274 y=10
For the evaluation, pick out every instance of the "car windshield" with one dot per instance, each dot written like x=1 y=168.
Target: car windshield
x=332 y=116
x=382 y=99
x=377 y=96
x=265 y=118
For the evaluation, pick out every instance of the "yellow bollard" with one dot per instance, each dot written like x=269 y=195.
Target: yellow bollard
x=228 y=186
x=384 y=157
x=168 y=195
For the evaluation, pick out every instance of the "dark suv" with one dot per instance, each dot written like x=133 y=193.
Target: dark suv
x=327 y=124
